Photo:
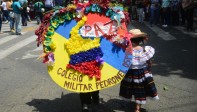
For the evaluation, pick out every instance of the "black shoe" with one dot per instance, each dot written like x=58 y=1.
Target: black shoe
x=85 y=108
x=18 y=34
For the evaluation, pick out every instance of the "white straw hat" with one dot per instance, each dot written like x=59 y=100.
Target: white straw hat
x=137 y=33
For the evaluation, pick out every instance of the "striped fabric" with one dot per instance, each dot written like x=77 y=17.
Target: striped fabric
x=140 y=84
x=141 y=56
x=86 y=56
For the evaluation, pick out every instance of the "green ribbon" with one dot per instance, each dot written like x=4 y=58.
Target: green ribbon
x=61 y=19
x=47 y=38
x=55 y=23
x=93 y=8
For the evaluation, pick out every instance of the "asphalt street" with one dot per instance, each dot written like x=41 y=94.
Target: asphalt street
x=25 y=85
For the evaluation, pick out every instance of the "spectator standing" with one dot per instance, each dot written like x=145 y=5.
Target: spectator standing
x=48 y=5
x=140 y=10
x=38 y=9
x=133 y=10
x=165 y=15
x=182 y=14
x=24 y=11
x=11 y=14
x=17 y=16
x=1 y=20
x=5 y=11
x=154 y=12
x=175 y=9
x=188 y=6
x=146 y=9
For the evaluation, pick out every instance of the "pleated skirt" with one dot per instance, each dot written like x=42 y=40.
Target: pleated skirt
x=138 y=83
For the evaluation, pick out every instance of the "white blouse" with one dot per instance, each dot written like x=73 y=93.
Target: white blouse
x=141 y=56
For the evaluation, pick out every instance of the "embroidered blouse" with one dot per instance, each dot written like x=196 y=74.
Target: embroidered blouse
x=141 y=56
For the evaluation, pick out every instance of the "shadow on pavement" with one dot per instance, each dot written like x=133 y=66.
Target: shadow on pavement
x=117 y=105
x=173 y=57
x=67 y=103
x=71 y=103
x=177 y=57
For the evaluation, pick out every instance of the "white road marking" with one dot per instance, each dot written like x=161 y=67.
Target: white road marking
x=161 y=33
x=38 y=49
x=192 y=34
x=17 y=46
x=30 y=54
x=8 y=38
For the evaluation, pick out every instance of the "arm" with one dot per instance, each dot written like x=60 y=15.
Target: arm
x=19 y=7
x=149 y=63
x=9 y=6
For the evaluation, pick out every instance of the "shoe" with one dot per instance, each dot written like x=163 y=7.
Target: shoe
x=12 y=30
x=85 y=108
x=165 y=26
x=18 y=34
x=6 y=21
x=1 y=32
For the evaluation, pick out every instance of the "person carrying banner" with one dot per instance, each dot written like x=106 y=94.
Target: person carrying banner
x=38 y=6
x=88 y=99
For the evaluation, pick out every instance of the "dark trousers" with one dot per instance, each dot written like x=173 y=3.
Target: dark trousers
x=39 y=17
x=189 y=17
x=24 y=17
x=182 y=16
x=90 y=97
x=154 y=15
x=175 y=17
x=165 y=16
x=6 y=15
x=0 y=21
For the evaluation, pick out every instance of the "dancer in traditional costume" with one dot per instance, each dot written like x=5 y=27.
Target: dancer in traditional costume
x=138 y=81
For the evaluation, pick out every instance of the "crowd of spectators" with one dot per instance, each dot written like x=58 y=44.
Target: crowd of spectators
x=19 y=12
x=156 y=12
x=163 y=12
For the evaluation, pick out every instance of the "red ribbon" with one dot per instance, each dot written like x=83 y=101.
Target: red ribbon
x=89 y=68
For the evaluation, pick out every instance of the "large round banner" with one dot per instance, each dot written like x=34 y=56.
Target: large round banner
x=86 y=45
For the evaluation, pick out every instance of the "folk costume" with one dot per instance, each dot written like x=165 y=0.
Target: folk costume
x=138 y=81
